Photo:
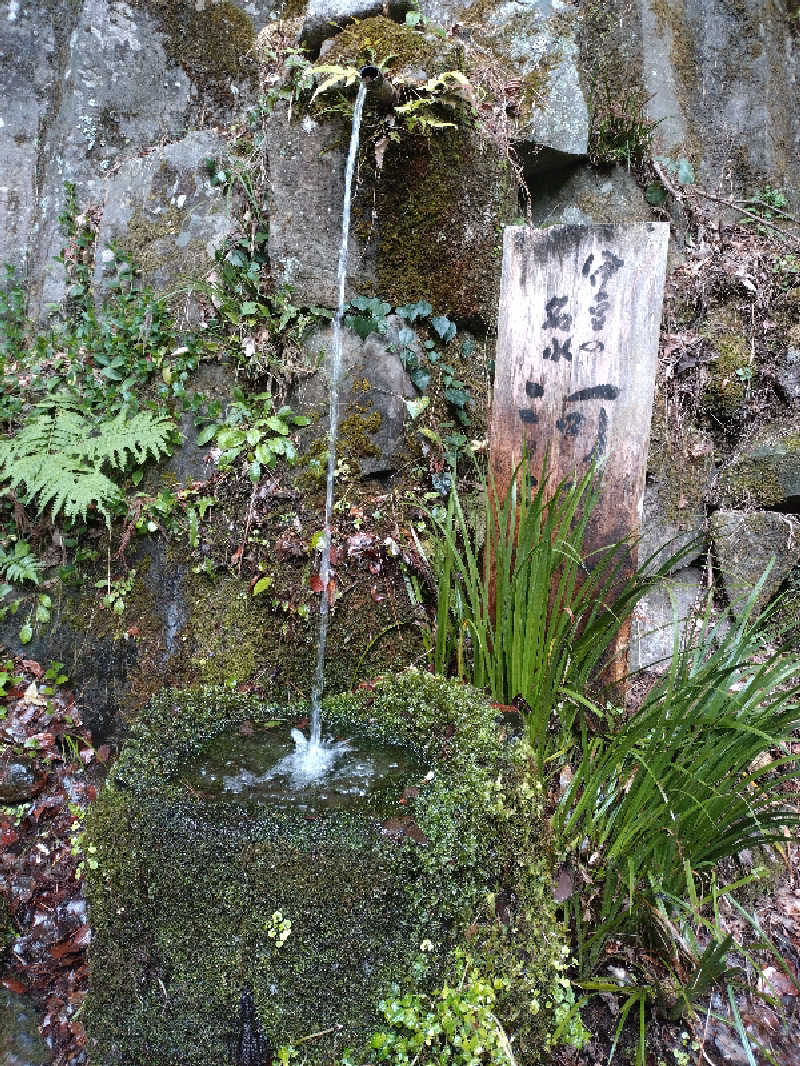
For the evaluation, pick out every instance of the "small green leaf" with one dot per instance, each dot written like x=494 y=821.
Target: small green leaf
x=412 y=312
x=416 y=407
x=194 y=527
x=254 y=471
x=421 y=378
x=207 y=434
x=655 y=194
x=361 y=325
x=685 y=172
x=444 y=327
x=277 y=425
x=265 y=452
x=262 y=585
x=289 y=451
x=248 y=308
x=457 y=397
x=26 y=633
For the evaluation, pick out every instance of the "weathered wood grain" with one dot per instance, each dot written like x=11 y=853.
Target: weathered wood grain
x=580 y=308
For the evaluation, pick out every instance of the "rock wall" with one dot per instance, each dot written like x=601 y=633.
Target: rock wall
x=144 y=107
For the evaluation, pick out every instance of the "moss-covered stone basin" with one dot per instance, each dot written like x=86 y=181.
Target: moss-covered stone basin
x=186 y=891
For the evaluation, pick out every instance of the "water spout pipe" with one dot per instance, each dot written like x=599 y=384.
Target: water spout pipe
x=378 y=86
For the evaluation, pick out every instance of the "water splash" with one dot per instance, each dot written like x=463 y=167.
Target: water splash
x=311 y=753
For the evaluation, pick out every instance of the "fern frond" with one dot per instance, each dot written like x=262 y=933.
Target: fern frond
x=59 y=459
x=141 y=437
x=348 y=75
x=64 y=484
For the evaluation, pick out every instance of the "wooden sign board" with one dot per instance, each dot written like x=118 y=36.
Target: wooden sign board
x=580 y=310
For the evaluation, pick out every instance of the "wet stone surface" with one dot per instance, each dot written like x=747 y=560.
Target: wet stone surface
x=17 y=782
x=20 y=1042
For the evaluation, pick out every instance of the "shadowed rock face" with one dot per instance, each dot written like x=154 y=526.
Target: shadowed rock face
x=252 y=1047
x=719 y=77
x=745 y=544
x=373 y=390
x=167 y=213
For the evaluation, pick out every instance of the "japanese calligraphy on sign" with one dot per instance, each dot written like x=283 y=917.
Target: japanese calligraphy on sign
x=580 y=309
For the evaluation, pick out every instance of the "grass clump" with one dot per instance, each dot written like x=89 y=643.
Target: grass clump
x=652 y=811
x=554 y=613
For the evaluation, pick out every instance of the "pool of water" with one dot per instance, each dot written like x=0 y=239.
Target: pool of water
x=274 y=766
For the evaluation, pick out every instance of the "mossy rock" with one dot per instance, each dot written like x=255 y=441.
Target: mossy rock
x=7 y=931
x=182 y=895
x=214 y=45
x=379 y=39
x=726 y=390
x=765 y=472
x=746 y=543
x=441 y=206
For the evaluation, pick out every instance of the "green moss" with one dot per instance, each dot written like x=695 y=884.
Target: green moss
x=270 y=640
x=672 y=19
x=150 y=240
x=766 y=473
x=293 y=9
x=441 y=206
x=213 y=46
x=354 y=434
x=681 y=462
x=534 y=89
x=182 y=894
x=7 y=930
x=226 y=630
x=725 y=391
x=375 y=40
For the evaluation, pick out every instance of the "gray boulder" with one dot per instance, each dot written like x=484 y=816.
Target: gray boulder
x=765 y=471
x=306 y=190
x=324 y=18
x=653 y=622
x=20 y=1040
x=115 y=90
x=17 y=782
x=167 y=213
x=33 y=46
x=537 y=44
x=372 y=393
x=91 y=85
x=679 y=472
x=745 y=543
x=580 y=195
x=788 y=376
x=718 y=76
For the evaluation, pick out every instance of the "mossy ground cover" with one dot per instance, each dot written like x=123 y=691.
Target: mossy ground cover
x=182 y=898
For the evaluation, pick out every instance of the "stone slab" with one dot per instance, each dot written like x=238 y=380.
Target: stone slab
x=373 y=389
x=653 y=623
x=745 y=544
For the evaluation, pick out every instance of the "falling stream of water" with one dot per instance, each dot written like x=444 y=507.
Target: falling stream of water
x=312 y=753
